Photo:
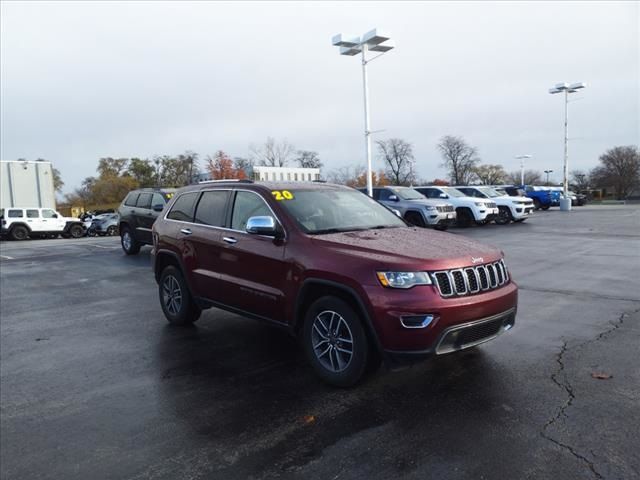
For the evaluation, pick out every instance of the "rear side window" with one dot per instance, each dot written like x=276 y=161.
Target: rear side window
x=182 y=209
x=144 y=200
x=211 y=208
x=131 y=199
x=247 y=205
x=15 y=214
x=33 y=214
x=157 y=200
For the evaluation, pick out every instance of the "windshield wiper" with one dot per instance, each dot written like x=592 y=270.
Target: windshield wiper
x=330 y=230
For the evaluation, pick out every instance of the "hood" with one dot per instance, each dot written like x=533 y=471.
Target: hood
x=516 y=198
x=411 y=248
x=430 y=202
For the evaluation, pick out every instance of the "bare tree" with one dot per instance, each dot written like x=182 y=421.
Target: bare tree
x=244 y=164
x=308 y=159
x=459 y=158
x=579 y=179
x=531 y=177
x=490 y=174
x=272 y=153
x=344 y=175
x=619 y=168
x=398 y=157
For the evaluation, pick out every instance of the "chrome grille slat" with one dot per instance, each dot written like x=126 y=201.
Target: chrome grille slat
x=471 y=280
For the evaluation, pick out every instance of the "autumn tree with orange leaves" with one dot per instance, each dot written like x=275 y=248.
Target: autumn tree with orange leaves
x=222 y=167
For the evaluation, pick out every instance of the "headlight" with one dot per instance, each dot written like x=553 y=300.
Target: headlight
x=481 y=204
x=403 y=279
x=430 y=208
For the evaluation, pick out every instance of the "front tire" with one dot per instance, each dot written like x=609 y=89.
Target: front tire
x=415 y=218
x=504 y=216
x=545 y=207
x=129 y=244
x=176 y=301
x=335 y=342
x=112 y=231
x=536 y=204
x=464 y=218
x=76 y=231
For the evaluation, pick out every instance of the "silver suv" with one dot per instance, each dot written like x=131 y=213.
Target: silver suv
x=415 y=208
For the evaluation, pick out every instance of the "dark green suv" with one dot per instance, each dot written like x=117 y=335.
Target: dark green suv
x=138 y=211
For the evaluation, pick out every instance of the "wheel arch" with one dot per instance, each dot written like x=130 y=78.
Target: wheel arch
x=315 y=288
x=19 y=224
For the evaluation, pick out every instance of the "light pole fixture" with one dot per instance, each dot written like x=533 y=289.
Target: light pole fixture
x=521 y=158
x=372 y=41
x=548 y=172
x=565 y=203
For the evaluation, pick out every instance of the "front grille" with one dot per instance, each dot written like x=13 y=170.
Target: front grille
x=491 y=204
x=471 y=280
x=445 y=208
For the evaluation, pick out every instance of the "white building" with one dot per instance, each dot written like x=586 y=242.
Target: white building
x=285 y=174
x=26 y=184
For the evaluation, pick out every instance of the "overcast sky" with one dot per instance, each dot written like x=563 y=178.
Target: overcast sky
x=82 y=81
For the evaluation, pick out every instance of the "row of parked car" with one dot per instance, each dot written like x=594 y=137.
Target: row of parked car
x=23 y=223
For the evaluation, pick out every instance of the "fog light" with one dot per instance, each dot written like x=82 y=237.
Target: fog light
x=416 y=321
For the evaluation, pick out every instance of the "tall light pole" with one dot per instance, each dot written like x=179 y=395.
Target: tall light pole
x=565 y=203
x=548 y=172
x=374 y=41
x=521 y=158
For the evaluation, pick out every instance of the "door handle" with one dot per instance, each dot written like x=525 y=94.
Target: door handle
x=230 y=240
x=186 y=231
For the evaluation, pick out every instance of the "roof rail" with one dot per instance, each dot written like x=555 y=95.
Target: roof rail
x=237 y=180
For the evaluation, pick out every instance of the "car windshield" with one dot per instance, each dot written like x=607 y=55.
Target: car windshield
x=489 y=192
x=406 y=193
x=331 y=210
x=453 y=192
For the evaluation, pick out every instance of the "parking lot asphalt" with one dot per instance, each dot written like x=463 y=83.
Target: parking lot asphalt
x=95 y=384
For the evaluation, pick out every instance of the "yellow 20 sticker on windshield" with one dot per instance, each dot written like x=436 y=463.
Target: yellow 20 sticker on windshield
x=282 y=195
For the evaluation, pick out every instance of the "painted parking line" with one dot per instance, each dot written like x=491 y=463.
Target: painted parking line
x=6 y=257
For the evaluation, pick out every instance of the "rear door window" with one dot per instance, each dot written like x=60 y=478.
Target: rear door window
x=182 y=209
x=211 y=209
x=15 y=214
x=144 y=200
x=131 y=200
x=33 y=213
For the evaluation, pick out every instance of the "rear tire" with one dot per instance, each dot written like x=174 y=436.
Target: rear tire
x=414 y=218
x=175 y=299
x=129 y=244
x=335 y=342
x=19 y=233
x=545 y=207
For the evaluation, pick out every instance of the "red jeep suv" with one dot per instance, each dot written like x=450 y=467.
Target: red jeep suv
x=332 y=266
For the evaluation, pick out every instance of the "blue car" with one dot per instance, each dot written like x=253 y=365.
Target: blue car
x=543 y=197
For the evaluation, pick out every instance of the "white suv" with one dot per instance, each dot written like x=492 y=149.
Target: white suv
x=469 y=209
x=20 y=223
x=517 y=209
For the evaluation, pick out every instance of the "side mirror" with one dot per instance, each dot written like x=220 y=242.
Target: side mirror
x=55 y=215
x=443 y=195
x=262 y=226
x=158 y=207
x=393 y=198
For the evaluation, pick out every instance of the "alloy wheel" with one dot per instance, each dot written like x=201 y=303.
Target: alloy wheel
x=172 y=295
x=126 y=240
x=332 y=341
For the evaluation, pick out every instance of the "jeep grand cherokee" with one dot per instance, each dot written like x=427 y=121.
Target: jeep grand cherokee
x=332 y=266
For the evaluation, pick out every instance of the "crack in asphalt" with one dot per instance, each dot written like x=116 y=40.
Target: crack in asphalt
x=565 y=385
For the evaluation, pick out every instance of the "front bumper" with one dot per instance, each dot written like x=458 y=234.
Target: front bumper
x=441 y=218
x=486 y=214
x=522 y=211
x=389 y=307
